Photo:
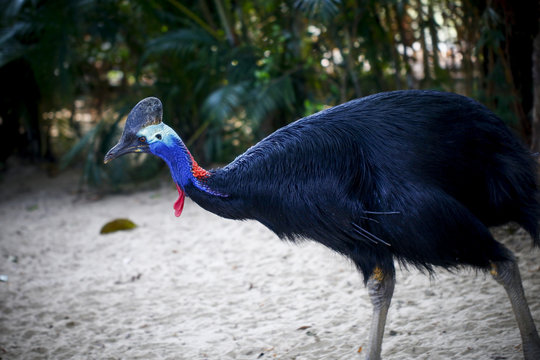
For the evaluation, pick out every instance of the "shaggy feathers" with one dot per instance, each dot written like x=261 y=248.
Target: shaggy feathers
x=413 y=175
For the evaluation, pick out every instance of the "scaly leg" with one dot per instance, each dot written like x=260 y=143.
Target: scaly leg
x=381 y=288
x=507 y=274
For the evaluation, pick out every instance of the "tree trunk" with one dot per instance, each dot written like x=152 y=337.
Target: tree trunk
x=349 y=61
x=405 y=43
x=425 y=53
x=521 y=20
x=432 y=26
x=535 y=141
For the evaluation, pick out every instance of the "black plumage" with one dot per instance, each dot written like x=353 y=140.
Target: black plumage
x=417 y=176
x=410 y=176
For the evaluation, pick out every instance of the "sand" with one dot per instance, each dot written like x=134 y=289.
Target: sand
x=202 y=287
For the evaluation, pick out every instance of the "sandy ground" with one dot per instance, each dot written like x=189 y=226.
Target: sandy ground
x=201 y=287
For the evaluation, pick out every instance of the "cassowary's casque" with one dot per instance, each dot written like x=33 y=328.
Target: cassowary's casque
x=412 y=176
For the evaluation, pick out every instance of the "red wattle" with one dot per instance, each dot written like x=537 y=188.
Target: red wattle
x=179 y=204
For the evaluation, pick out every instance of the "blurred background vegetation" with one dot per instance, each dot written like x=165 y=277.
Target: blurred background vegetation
x=231 y=71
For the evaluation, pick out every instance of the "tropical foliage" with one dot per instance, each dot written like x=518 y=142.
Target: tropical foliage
x=231 y=71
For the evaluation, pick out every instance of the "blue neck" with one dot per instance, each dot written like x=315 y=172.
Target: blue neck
x=184 y=169
x=172 y=150
x=179 y=161
x=165 y=143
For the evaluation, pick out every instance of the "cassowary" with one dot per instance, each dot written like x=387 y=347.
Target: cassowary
x=415 y=177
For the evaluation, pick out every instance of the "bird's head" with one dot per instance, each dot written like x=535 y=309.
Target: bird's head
x=144 y=127
x=145 y=132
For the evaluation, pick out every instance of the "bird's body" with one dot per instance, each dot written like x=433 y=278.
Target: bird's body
x=424 y=172
x=412 y=176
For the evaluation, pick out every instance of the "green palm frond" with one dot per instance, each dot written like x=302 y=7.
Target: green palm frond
x=11 y=31
x=12 y=8
x=10 y=50
x=240 y=64
x=323 y=10
x=223 y=103
x=270 y=97
x=181 y=42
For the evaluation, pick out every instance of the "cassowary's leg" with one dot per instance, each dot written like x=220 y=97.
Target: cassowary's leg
x=381 y=288
x=507 y=274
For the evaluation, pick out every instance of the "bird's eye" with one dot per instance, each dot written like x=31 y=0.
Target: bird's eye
x=142 y=139
x=158 y=136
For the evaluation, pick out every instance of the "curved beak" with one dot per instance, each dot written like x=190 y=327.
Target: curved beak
x=148 y=111
x=121 y=149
